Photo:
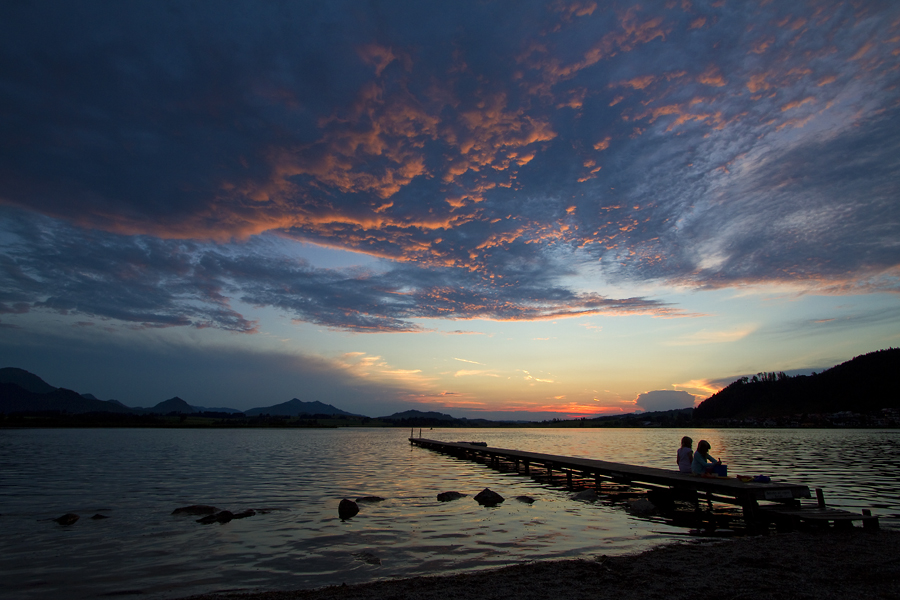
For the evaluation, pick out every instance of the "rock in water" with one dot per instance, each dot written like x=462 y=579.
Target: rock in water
x=525 y=499
x=196 y=509
x=448 y=496
x=224 y=516
x=370 y=499
x=220 y=517
x=488 y=498
x=67 y=519
x=244 y=514
x=586 y=495
x=347 y=509
x=99 y=516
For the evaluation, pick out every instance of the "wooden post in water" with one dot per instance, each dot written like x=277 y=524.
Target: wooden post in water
x=820 y=498
x=569 y=479
x=869 y=523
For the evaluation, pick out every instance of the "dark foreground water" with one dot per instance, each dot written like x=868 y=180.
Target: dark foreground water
x=137 y=477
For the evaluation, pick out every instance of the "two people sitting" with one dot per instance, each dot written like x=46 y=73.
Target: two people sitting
x=699 y=462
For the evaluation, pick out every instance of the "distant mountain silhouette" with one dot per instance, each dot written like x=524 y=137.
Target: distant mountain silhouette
x=16 y=399
x=864 y=384
x=25 y=380
x=22 y=391
x=172 y=405
x=296 y=407
x=418 y=414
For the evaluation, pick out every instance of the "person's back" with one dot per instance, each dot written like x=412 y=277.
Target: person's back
x=685 y=456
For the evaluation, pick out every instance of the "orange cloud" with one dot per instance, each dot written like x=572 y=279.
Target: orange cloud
x=712 y=77
x=758 y=83
x=797 y=103
x=377 y=56
x=760 y=46
x=602 y=144
x=638 y=83
x=575 y=9
x=864 y=49
x=634 y=30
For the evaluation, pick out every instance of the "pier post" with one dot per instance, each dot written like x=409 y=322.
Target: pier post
x=751 y=514
x=820 y=498
x=527 y=467
x=569 y=479
x=870 y=522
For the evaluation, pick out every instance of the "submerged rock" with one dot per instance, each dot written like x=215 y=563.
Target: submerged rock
x=525 y=499
x=196 y=509
x=448 y=496
x=220 y=517
x=370 y=499
x=347 y=509
x=244 y=514
x=99 y=516
x=488 y=498
x=586 y=495
x=67 y=519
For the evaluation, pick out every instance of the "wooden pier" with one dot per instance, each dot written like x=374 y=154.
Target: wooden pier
x=783 y=506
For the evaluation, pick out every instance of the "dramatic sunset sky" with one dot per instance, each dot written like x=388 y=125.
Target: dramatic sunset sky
x=512 y=208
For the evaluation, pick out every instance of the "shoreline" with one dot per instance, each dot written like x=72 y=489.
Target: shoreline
x=815 y=564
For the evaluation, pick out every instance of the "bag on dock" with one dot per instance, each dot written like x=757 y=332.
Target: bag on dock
x=721 y=470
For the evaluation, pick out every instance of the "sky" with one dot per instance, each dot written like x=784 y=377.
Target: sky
x=519 y=210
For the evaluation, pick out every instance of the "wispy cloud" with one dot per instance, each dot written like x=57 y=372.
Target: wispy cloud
x=471 y=169
x=705 y=336
x=468 y=361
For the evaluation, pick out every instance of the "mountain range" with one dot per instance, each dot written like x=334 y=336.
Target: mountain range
x=22 y=391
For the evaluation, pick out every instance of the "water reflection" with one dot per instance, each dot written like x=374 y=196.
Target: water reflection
x=139 y=476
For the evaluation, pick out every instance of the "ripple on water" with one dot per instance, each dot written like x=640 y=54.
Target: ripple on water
x=294 y=479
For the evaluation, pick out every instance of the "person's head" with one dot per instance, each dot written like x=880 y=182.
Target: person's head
x=703 y=447
x=686 y=442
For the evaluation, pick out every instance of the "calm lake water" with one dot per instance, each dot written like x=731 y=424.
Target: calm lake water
x=137 y=477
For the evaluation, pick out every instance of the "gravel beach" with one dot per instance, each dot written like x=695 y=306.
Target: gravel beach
x=817 y=565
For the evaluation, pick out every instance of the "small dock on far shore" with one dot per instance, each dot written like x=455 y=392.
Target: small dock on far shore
x=781 y=501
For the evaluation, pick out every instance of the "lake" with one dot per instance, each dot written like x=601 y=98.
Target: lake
x=137 y=477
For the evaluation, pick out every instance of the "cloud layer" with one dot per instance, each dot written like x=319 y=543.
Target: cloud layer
x=155 y=157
